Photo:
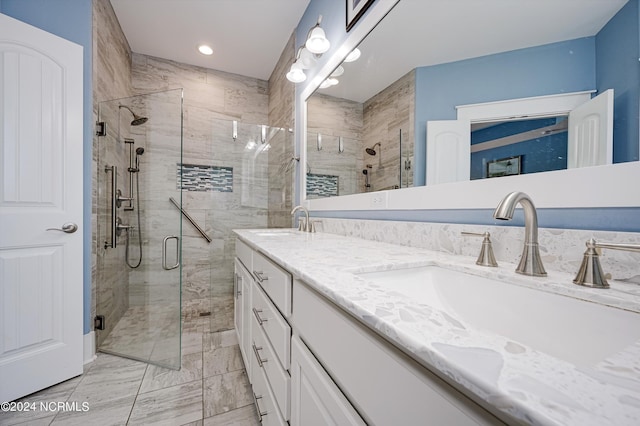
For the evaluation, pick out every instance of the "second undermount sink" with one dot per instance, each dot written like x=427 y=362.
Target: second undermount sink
x=574 y=330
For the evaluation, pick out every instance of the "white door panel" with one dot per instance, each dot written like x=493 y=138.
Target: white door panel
x=591 y=132
x=448 y=151
x=40 y=188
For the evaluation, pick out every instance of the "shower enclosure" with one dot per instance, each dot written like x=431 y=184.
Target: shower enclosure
x=139 y=235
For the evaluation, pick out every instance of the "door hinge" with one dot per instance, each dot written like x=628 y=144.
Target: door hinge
x=101 y=128
x=98 y=322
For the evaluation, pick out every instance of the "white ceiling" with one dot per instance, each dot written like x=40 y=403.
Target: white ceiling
x=419 y=33
x=247 y=36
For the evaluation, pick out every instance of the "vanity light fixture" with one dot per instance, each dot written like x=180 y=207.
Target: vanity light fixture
x=353 y=56
x=317 y=41
x=296 y=74
x=307 y=54
x=205 y=50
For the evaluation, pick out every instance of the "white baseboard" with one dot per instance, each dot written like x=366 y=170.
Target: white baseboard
x=89 y=343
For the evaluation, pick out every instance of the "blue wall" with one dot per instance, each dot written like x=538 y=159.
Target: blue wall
x=567 y=66
x=617 y=67
x=72 y=20
x=543 y=153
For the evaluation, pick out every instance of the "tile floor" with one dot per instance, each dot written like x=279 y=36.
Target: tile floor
x=211 y=388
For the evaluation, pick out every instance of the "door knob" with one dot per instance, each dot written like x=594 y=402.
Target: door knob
x=69 y=228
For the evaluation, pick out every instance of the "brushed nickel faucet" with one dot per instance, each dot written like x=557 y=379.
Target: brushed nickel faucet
x=307 y=225
x=590 y=273
x=486 y=257
x=530 y=262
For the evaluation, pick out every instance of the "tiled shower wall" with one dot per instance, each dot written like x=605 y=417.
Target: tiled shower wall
x=332 y=117
x=384 y=116
x=111 y=74
x=212 y=99
x=379 y=119
x=281 y=101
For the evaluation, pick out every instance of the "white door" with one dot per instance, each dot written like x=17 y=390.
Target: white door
x=591 y=132
x=448 y=151
x=40 y=188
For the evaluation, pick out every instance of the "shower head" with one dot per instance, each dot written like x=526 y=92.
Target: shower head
x=372 y=151
x=137 y=119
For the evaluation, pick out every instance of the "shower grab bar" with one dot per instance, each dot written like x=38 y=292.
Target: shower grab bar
x=114 y=203
x=164 y=252
x=190 y=219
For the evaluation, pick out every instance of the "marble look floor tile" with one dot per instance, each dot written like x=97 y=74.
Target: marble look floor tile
x=226 y=392
x=197 y=423
x=109 y=388
x=222 y=360
x=219 y=339
x=56 y=393
x=42 y=421
x=110 y=411
x=176 y=405
x=192 y=343
x=158 y=377
x=244 y=416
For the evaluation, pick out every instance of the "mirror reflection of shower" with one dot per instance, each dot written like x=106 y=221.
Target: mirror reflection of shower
x=134 y=170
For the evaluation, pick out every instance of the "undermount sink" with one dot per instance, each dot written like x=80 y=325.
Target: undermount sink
x=271 y=233
x=574 y=330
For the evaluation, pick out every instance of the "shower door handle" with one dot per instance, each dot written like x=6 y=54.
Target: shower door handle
x=164 y=252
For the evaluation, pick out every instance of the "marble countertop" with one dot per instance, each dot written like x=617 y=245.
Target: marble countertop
x=509 y=378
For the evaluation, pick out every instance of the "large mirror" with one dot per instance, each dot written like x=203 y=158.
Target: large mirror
x=426 y=60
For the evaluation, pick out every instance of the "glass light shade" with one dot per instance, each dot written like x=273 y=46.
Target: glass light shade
x=205 y=50
x=338 y=71
x=329 y=82
x=306 y=59
x=317 y=41
x=353 y=56
x=295 y=74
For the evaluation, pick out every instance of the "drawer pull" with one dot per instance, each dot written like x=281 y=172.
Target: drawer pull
x=257 y=312
x=260 y=412
x=260 y=276
x=255 y=351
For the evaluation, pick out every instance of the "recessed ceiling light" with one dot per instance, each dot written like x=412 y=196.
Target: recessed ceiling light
x=205 y=50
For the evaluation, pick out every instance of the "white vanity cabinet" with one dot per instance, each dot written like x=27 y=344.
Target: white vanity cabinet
x=310 y=363
x=383 y=384
x=264 y=332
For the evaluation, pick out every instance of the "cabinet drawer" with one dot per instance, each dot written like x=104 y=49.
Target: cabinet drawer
x=267 y=362
x=275 y=281
x=244 y=253
x=273 y=324
x=264 y=399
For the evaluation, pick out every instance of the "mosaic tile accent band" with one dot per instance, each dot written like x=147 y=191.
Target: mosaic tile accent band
x=195 y=177
x=322 y=185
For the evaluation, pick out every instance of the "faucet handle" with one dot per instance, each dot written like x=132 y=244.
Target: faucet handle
x=302 y=224
x=590 y=273
x=486 y=257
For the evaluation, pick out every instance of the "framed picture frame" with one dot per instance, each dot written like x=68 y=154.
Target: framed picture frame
x=355 y=9
x=505 y=167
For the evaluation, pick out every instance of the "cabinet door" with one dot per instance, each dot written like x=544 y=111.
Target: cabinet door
x=315 y=398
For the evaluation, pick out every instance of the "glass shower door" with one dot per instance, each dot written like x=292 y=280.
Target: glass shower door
x=138 y=300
